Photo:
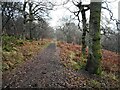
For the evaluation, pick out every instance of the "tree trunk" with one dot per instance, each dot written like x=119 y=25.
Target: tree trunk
x=84 y=34
x=30 y=28
x=30 y=19
x=24 y=22
x=94 y=57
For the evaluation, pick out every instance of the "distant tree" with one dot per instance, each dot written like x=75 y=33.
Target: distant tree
x=36 y=11
x=9 y=14
x=60 y=34
x=29 y=12
x=69 y=31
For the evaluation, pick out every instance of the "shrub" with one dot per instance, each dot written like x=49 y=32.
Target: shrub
x=8 y=42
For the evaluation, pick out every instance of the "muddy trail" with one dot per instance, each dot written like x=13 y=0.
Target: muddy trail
x=43 y=71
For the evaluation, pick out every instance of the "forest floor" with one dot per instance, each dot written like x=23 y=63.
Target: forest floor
x=49 y=70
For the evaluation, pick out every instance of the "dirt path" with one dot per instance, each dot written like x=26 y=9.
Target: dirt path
x=44 y=71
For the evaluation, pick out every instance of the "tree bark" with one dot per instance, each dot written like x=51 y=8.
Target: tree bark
x=94 y=57
x=24 y=22
x=84 y=33
x=30 y=19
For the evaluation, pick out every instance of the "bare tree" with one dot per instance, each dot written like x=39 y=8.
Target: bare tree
x=82 y=10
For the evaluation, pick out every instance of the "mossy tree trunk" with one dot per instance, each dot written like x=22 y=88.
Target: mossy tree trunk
x=84 y=33
x=94 y=57
x=82 y=9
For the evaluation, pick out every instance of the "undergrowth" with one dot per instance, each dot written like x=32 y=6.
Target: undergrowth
x=71 y=57
x=9 y=42
x=16 y=51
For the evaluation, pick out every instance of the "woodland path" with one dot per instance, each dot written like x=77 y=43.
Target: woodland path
x=43 y=71
x=46 y=71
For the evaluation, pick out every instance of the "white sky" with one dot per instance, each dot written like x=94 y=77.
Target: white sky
x=61 y=12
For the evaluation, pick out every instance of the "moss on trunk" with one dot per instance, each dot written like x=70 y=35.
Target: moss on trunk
x=94 y=57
